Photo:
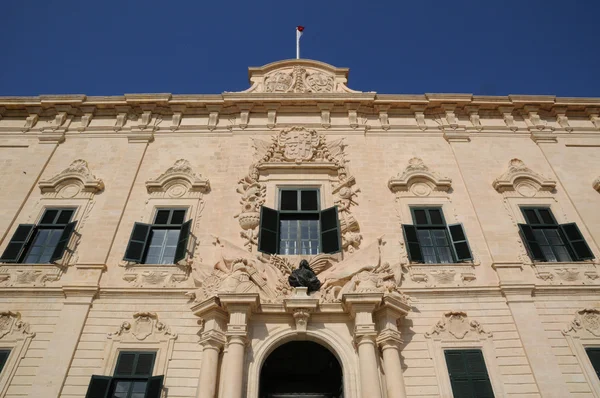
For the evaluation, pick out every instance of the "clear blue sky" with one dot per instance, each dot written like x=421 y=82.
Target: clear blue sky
x=111 y=47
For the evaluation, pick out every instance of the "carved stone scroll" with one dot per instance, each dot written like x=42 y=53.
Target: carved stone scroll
x=72 y=181
x=586 y=321
x=178 y=181
x=143 y=326
x=457 y=325
x=523 y=180
x=419 y=180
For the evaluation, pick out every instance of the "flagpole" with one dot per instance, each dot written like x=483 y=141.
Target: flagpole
x=297 y=44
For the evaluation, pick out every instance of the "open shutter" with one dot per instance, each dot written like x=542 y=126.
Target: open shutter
x=268 y=232
x=99 y=386
x=154 y=387
x=137 y=242
x=330 y=231
x=579 y=246
x=462 y=251
x=65 y=237
x=17 y=243
x=415 y=255
x=533 y=247
x=182 y=244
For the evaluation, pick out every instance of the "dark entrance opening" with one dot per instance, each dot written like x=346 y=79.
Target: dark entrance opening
x=301 y=369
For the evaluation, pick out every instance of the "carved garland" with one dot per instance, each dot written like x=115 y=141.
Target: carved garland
x=293 y=148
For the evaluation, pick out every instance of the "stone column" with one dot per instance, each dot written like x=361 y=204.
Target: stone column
x=239 y=306
x=390 y=341
x=212 y=340
x=52 y=373
x=362 y=305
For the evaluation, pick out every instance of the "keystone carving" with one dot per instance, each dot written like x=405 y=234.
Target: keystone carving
x=144 y=325
x=71 y=181
x=586 y=320
x=456 y=325
x=297 y=147
x=523 y=180
x=418 y=179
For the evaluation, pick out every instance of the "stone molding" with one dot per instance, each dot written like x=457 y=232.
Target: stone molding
x=457 y=325
x=419 y=180
x=299 y=149
x=520 y=178
x=75 y=180
x=178 y=181
x=16 y=335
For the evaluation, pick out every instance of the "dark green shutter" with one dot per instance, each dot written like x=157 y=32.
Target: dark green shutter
x=17 y=243
x=594 y=355
x=330 y=231
x=137 y=242
x=125 y=364
x=468 y=374
x=99 y=386
x=413 y=247
x=182 y=244
x=462 y=251
x=532 y=245
x=65 y=237
x=268 y=232
x=154 y=387
x=3 y=358
x=575 y=240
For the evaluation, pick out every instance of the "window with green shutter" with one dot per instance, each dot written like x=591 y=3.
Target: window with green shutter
x=546 y=240
x=163 y=242
x=430 y=240
x=4 y=354
x=132 y=378
x=594 y=356
x=468 y=374
x=44 y=242
x=299 y=226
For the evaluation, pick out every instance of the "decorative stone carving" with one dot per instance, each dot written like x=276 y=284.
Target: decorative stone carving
x=596 y=184
x=77 y=179
x=39 y=275
x=474 y=117
x=144 y=325
x=523 y=180
x=301 y=316
x=161 y=277
x=509 y=119
x=297 y=147
x=566 y=274
x=586 y=320
x=442 y=275
x=298 y=76
x=11 y=324
x=419 y=180
x=459 y=326
x=304 y=276
x=178 y=181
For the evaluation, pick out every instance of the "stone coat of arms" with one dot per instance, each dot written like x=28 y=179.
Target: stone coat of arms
x=299 y=145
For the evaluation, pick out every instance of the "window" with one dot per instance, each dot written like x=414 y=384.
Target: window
x=3 y=358
x=132 y=378
x=546 y=240
x=45 y=242
x=468 y=374
x=594 y=356
x=299 y=226
x=164 y=242
x=430 y=240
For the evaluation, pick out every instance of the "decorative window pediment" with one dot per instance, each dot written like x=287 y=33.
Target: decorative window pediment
x=523 y=180
x=16 y=336
x=77 y=179
x=419 y=180
x=457 y=325
x=178 y=181
x=145 y=325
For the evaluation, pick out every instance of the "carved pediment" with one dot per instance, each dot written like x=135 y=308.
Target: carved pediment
x=418 y=179
x=457 y=325
x=145 y=326
x=71 y=181
x=298 y=76
x=522 y=179
x=585 y=322
x=178 y=181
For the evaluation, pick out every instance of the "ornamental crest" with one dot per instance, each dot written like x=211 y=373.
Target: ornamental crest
x=298 y=144
x=278 y=83
x=6 y=321
x=587 y=319
x=320 y=83
x=457 y=324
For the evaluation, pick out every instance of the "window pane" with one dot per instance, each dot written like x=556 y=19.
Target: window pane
x=439 y=236
x=178 y=217
x=172 y=237
x=540 y=237
x=162 y=217
x=548 y=253
x=436 y=216
x=420 y=217
x=64 y=217
x=121 y=389
x=144 y=364
x=531 y=217
x=289 y=200
x=546 y=216
x=49 y=216
x=54 y=237
x=445 y=254
x=139 y=389
x=562 y=254
x=425 y=237
x=309 y=200
x=429 y=256
x=553 y=237
x=125 y=364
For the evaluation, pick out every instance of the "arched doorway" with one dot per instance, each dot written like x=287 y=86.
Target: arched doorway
x=301 y=369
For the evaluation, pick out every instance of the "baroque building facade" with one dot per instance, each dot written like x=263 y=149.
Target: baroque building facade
x=148 y=241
